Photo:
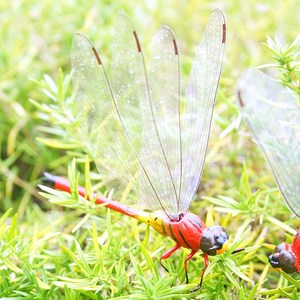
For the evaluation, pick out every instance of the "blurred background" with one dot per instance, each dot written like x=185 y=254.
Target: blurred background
x=36 y=38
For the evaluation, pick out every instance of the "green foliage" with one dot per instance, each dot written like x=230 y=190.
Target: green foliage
x=228 y=267
x=69 y=248
x=287 y=64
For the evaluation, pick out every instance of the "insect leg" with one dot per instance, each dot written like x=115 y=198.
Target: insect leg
x=185 y=264
x=168 y=254
x=206 y=263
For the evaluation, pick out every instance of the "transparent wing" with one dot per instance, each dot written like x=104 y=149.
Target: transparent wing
x=100 y=126
x=118 y=123
x=133 y=128
x=199 y=103
x=274 y=120
x=165 y=98
x=138 y=113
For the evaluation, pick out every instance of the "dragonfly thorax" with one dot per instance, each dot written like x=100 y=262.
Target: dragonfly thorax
x=189 y=231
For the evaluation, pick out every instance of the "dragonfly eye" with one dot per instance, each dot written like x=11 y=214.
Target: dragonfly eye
x=214 y=240
x=283 y=259
x=281 y=247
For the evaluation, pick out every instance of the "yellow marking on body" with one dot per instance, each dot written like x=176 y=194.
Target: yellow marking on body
x=224 y=248
x=155 y=220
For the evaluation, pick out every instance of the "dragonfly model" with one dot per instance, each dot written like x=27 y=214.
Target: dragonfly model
x=274 y=120
x=143 y=136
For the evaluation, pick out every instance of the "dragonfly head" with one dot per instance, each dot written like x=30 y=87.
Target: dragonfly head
x=283 y=259
x=214 y=240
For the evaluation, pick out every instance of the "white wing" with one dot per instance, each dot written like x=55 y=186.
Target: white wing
x=274 y=120
x=134 y=128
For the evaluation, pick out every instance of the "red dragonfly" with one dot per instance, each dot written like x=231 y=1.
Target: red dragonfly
x=274 y=119
x=145 y=139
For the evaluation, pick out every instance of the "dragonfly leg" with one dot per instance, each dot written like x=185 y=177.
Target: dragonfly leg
x=168 y=254
x=206 y=263
x=185 y=265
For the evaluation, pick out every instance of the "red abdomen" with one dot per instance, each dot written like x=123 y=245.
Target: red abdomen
x=187 y=232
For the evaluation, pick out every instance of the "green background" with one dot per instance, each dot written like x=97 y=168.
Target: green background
x=35 y=257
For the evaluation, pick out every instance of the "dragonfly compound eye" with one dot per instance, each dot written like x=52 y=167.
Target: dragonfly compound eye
x=283 y=259
x=214 y=240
